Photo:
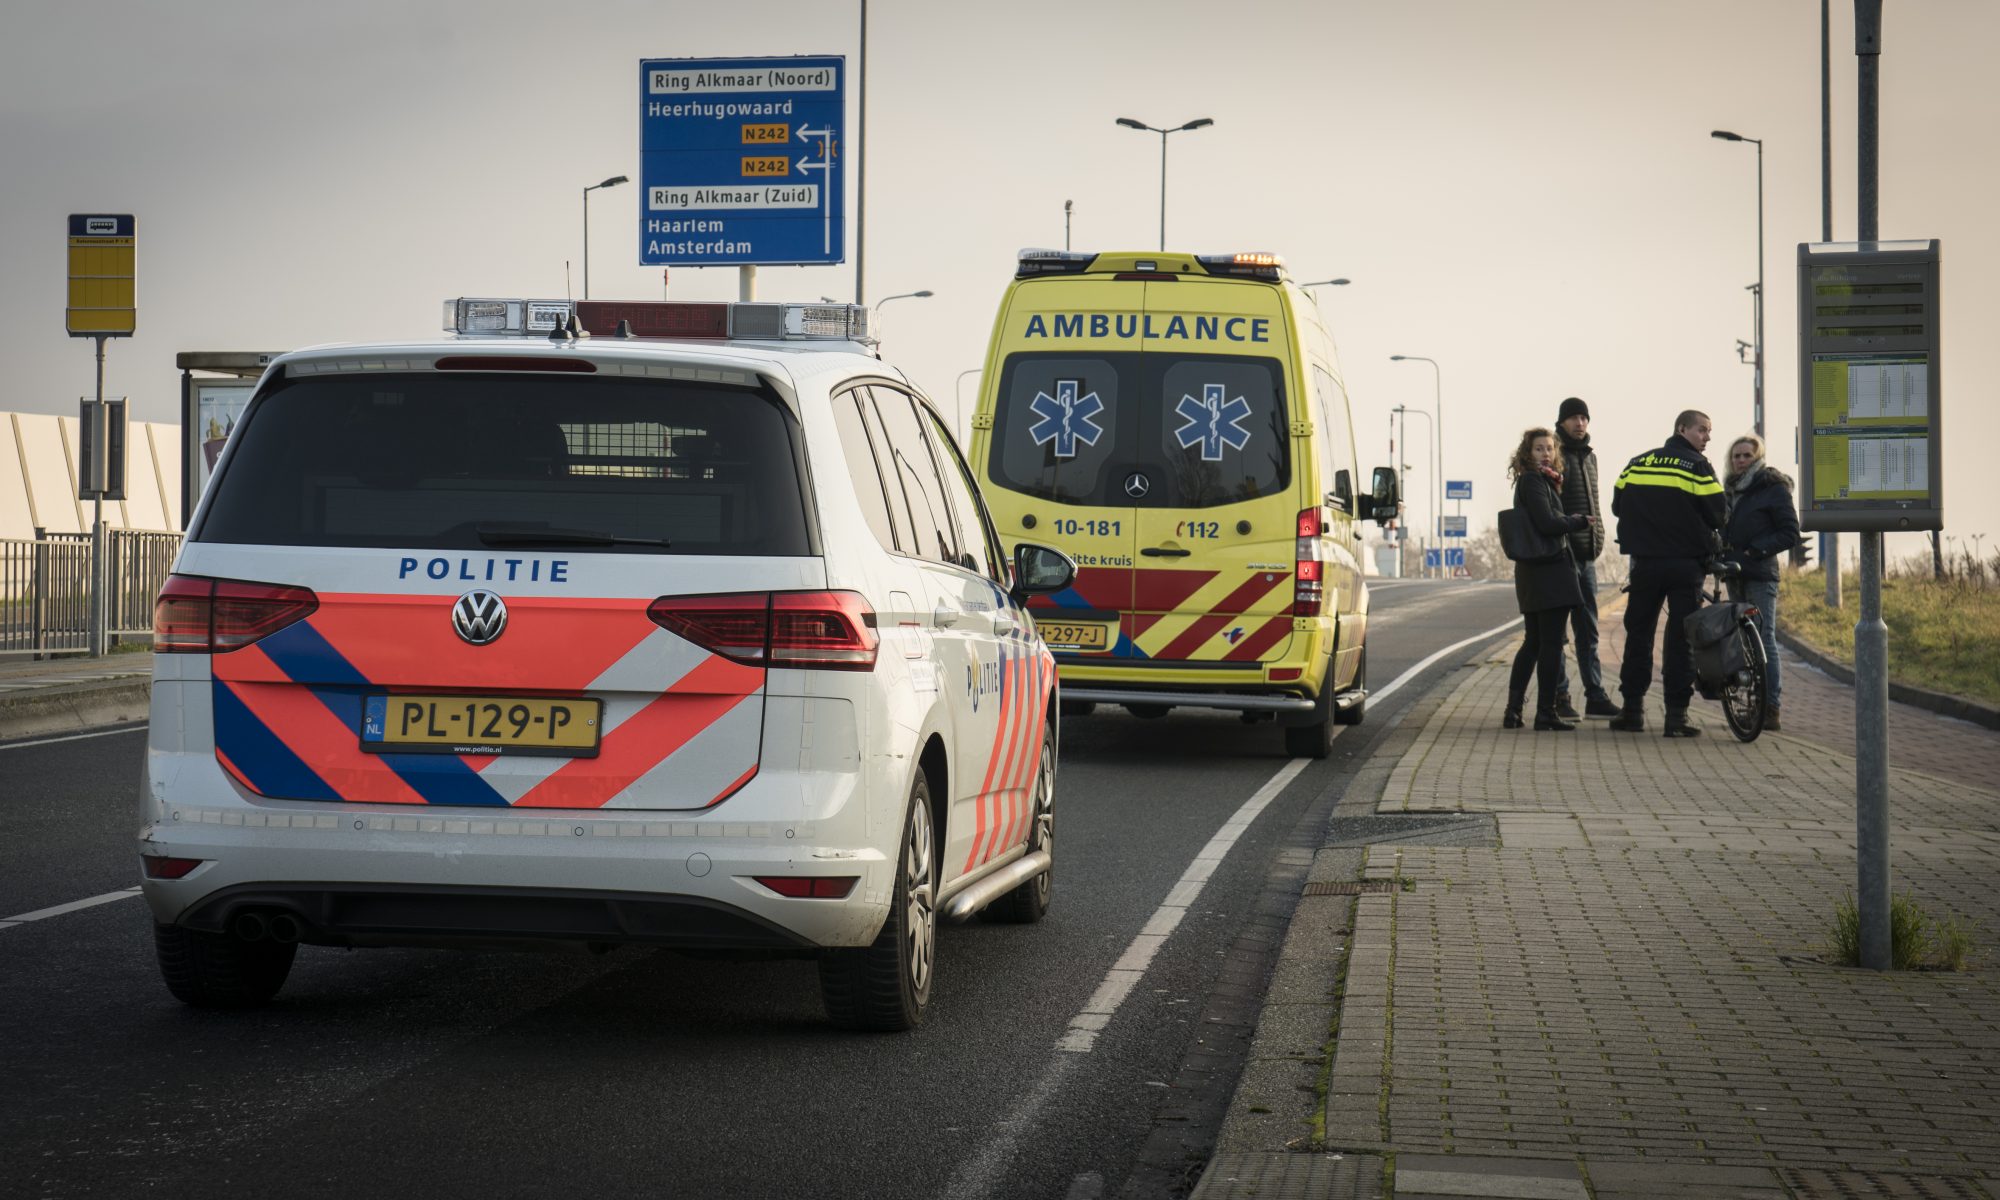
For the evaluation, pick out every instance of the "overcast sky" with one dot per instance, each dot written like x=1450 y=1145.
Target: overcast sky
x=1524 y=191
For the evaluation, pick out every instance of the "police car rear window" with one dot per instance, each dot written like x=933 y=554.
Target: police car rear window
x=1141 y=430
x=456 y=461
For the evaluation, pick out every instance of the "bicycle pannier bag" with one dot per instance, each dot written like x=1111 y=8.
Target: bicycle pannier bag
x=1711 y=632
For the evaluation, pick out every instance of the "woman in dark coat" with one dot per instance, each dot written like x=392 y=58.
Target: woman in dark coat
x=1546 y=591
x=1763 y=523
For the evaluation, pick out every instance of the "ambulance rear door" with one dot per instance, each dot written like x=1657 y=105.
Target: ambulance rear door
x=1216 y=521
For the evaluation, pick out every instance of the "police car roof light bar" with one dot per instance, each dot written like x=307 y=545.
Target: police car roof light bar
x=666 y=319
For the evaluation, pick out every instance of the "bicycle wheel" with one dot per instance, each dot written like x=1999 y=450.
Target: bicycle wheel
x=1743 y=693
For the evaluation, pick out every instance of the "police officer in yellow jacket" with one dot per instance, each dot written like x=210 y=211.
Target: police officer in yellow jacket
x=1669 y=506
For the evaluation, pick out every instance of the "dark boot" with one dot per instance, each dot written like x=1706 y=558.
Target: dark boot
x=1565 y=709
x=1548 y=721
x=1600 y=706
x=1630 y=719
x=1771 y=719
x=1511 y=719
x=1680 y=725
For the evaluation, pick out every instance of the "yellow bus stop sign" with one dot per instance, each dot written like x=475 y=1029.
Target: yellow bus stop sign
x=101 y=294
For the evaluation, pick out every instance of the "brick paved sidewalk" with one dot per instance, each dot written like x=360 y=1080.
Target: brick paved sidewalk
x=1632 y=980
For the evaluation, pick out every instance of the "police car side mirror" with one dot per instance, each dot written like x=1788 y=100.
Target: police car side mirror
x=1382 y=496
x=1040 y=569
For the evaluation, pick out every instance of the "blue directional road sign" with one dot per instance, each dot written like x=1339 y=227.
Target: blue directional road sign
x=740 y=161
x=1454 y=526
x=1432 y=560
x=1458 y=489
x=1455 y=557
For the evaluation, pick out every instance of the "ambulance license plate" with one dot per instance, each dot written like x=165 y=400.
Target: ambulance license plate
x=1074 y=635
x=481 y=725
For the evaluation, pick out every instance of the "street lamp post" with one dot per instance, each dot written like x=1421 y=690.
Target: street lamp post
x=1197 y=123
x=958 y=399
x=614 y=181
x=1437 y=506
x=1757 y=398
x=923 y=295
x=1325 y=283
x=1430 y=431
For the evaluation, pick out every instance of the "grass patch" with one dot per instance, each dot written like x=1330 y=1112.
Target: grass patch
x=1916 y=940
x=1944 y=635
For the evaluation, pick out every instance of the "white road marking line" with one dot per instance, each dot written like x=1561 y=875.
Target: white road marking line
x=42 y=914
x=1131 y=966
x=1413 y=672
x=74 y=737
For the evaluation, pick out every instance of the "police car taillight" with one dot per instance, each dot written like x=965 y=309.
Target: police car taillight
x=823 y=630
x=214 y=616
x=1308 y=572
x=1249 y=265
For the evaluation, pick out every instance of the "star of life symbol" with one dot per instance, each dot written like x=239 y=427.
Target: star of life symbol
x=1212 y=421
x=1066 y=418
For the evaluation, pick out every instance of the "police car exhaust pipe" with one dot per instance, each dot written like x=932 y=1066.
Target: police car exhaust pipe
x=996 y=885
x=285 y=928
x=249 y=926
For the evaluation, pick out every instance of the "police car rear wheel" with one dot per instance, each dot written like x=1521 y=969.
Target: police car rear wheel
x=1027 y=903
x=220 y=970
x=886 y=986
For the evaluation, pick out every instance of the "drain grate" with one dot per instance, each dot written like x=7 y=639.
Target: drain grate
x=1351 y=887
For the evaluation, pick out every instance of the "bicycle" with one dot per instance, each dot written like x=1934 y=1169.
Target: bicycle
x=1729 y=660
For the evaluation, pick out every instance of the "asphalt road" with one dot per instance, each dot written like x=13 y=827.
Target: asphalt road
x=643 y=1073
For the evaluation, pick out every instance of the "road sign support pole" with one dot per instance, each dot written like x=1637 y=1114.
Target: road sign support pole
x=746 y=282
x=96 y=473
x=1871 y=636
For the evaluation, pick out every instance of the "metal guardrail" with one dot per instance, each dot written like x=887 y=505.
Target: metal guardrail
x=45 y=588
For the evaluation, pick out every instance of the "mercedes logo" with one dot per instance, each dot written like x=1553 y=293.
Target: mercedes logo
x=479 y=617
x=1137 y=485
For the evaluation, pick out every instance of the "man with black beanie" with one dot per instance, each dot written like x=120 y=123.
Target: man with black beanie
x=1579 y=498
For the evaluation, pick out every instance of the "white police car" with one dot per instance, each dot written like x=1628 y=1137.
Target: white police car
x=662 y=623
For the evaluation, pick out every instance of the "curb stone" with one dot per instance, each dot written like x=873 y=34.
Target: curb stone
x=79 y=706
x=1942 y=703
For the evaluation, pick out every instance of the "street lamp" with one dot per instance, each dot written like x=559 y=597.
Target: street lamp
x=923 y=295
x=1437 y=509
x=1197 y=123
x=614 y=181
x=1325 y=283
x=958 y=399
x=1757 y=397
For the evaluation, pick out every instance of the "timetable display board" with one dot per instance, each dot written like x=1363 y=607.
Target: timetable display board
x=1869 y=386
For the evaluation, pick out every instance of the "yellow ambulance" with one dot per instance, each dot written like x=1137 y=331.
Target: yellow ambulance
x=1178 y=424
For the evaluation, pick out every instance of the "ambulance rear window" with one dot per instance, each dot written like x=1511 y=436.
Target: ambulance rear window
x=431 y=460
x=1197 y=431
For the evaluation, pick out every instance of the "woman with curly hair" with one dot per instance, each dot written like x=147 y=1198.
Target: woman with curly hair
x=1546 y=590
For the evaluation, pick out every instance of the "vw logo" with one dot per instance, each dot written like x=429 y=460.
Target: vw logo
x=1137 y=485
x=479 y=617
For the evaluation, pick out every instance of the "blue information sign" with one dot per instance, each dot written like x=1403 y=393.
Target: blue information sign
x=740 y=161
x=1458 y=489
x=1432 y=559
x=1454 y=557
